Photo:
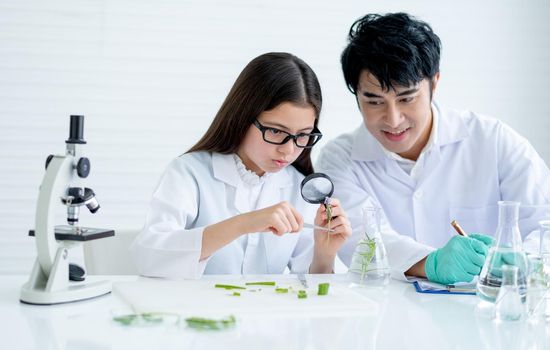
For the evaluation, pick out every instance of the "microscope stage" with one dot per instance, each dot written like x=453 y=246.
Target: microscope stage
x=70 y=233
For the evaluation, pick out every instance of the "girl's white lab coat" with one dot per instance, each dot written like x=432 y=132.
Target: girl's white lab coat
x=475 y=162
x=201 y=188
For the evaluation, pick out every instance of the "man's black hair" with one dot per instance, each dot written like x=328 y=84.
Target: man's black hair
x=396 y=48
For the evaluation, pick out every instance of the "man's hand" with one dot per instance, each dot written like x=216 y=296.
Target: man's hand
x=459 y=260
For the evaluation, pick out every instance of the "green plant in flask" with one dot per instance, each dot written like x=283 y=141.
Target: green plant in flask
x=369 y=263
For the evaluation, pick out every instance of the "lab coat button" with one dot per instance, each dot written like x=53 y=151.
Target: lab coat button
x=418 y=194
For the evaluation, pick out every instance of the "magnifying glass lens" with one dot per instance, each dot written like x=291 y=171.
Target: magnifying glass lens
x=316 y=187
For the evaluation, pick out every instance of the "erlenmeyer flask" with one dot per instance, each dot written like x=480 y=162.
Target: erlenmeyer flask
x=508 y=305
x=507 y=250
x=369 y=263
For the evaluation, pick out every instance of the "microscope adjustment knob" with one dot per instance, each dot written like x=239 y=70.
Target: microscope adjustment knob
x=83 y=167
x=48 y=160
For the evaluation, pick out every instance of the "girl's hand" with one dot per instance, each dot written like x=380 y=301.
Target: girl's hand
x=327 y=243
x=280 y=218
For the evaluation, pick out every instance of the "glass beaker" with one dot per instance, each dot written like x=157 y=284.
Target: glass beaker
x=544 y=250
x=369 y=262
x=508 y=304
x=536 y=288
x=507 y=250
x=543 y=308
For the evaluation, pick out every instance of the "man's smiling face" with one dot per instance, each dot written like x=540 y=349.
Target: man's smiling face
x=399 y=118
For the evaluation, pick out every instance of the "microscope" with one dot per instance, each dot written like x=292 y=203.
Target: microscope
x=49 y=280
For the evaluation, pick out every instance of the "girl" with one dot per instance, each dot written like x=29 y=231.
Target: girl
x=232 y=203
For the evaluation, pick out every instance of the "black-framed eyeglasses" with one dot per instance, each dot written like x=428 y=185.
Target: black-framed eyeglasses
x=279 y=137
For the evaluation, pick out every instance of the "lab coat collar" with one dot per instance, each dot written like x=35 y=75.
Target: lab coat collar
x=451 y=128
x=225 y=170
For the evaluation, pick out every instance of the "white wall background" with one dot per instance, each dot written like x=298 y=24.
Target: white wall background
x=150 y=75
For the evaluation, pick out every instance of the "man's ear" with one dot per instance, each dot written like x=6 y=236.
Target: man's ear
x=435 y=80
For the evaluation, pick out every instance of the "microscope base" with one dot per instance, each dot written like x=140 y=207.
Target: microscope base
x=77 y=292
x=54 y=287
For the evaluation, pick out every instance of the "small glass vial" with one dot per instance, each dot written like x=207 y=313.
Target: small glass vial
x=508 y=304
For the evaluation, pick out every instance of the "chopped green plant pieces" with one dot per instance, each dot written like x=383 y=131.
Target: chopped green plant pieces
x=148 y=318
x=228 y=286
x=302 y=294
x=260 y=283
x=208 y=324
x=236 y=294
x=152 y=318
x=281 y=290
x=126 y=319
x=322 y=288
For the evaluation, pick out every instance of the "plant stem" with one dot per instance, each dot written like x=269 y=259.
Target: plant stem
x=260 y=283
x=228 y=286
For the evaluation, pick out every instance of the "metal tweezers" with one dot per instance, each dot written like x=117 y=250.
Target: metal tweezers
x=306 y=225
x=303 y=280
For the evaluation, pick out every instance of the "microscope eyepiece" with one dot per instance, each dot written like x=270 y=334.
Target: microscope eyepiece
x=93 y=205
x=89 y=199
x=76 y=130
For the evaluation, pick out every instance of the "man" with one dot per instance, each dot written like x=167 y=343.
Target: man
x=424 y=165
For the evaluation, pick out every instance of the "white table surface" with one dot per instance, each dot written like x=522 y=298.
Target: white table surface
x=402 y=319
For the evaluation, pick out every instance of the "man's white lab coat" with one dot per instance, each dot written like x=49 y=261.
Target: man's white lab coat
x=201 y=188
x=475 y=162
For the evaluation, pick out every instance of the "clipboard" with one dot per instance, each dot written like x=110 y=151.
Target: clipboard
x=435 y=288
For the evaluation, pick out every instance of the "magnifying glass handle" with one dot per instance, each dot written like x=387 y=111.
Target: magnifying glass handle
x=316 y=227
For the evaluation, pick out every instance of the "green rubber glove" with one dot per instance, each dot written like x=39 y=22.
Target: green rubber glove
x=518 y=259
x=487 y=240
x=458 y=261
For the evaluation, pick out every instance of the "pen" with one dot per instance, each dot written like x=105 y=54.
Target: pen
x=458 y=229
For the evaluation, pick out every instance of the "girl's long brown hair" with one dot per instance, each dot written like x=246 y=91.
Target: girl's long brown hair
x=266 y=82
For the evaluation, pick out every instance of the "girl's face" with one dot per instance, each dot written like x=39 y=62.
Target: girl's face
x=260 y=156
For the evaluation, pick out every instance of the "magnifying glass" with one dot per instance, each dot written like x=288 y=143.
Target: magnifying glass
x=317 y=188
